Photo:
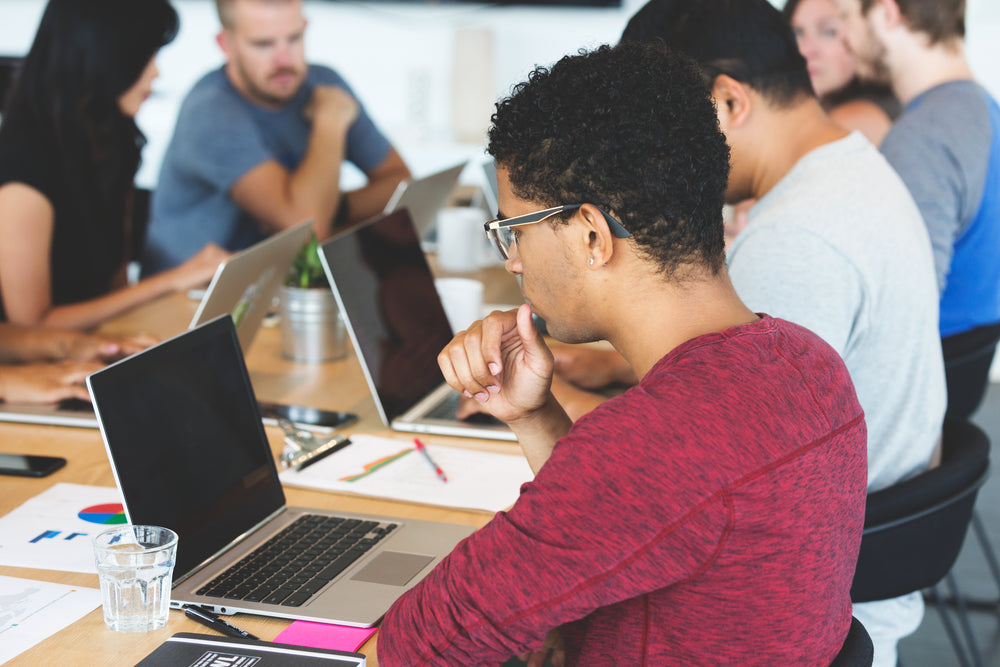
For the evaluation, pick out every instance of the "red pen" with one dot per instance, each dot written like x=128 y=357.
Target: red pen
x=437 y=468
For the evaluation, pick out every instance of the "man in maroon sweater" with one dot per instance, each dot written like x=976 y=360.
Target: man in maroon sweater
x=710 y=514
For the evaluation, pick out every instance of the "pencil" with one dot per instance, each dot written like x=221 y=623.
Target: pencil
x=437 y=468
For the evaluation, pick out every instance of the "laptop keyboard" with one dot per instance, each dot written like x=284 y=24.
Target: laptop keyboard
x=448 y=407
x=296 y=563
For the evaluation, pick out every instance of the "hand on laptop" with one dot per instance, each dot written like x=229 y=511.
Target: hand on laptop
x=89 y=347
x=45 y=383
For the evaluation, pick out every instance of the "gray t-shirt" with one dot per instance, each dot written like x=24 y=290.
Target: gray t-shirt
x=839 y=247
x=940 y=147
x=219 y=137
x=946 y=148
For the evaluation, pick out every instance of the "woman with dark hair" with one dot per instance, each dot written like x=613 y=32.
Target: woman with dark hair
x=69 y=152
x=869 y=108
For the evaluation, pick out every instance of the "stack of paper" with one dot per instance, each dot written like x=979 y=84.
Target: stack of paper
x=393 y=468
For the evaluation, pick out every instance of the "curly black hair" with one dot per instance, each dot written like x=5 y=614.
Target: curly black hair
x=632 y=130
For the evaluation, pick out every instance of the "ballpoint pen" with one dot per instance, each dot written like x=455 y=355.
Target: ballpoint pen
x=423 y=451
x=206 y=617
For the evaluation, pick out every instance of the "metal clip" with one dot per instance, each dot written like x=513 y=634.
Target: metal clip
x=303 y=447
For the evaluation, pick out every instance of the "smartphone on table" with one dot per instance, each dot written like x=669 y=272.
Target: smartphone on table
x=307 y=417
x=26 y=465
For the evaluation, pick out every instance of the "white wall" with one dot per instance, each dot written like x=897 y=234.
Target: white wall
x=401 y=60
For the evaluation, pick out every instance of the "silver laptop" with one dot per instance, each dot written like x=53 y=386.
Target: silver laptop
x=424 y=197
x=186 y=445
x=243 y=286
x=490 y=189
x=394 y=316
x=71 y=412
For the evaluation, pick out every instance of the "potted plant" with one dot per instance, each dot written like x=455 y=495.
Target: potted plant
x=311 y=328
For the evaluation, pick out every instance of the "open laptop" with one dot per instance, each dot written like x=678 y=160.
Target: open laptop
x=243 y=286
x=386 y=295
x=186 y=445
x=424 y=197
x=491 y=196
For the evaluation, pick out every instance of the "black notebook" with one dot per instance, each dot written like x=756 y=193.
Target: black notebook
x=187 y=649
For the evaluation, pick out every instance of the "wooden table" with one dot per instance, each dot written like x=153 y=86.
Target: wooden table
x=337 y=385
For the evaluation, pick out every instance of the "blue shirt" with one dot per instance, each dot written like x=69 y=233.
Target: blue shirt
x=219 y=137
x=946 y=148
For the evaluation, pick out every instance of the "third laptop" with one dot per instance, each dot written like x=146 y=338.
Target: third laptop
x=386 y=294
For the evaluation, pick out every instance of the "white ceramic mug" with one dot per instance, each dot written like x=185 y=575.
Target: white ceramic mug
x=462 y=299
x=460 y=238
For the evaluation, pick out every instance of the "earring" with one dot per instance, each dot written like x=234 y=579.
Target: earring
x=591 y=261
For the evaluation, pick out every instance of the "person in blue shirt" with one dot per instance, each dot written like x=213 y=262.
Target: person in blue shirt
x=258 y=144
x=946 y=148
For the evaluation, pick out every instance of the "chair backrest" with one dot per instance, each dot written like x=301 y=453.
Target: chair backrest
x=915 y=529
x=967 y=360
x=9 y=65
x=858 y=650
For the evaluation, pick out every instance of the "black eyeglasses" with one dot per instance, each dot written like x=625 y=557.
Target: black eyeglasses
x=503 y=237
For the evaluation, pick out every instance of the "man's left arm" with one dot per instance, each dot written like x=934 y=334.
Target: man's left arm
x=557 y=556
x=371 y=152
x=928 y=160
x=369 y=201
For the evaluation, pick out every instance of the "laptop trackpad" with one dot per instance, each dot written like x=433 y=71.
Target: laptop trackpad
x=393 y=568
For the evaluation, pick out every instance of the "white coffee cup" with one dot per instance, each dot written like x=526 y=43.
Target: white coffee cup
x=462 y=299
x=460 y=238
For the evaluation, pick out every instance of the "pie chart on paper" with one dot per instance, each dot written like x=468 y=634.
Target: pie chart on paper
x=107 y=515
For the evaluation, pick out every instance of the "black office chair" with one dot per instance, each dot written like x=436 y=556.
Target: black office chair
x=858 y=650
x=967 y=360
x=9 y=66
x=915 y=529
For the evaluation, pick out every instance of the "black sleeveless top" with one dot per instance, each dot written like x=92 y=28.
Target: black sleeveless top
x=88 y=246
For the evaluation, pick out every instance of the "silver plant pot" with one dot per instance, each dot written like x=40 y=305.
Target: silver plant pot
x=311 y=328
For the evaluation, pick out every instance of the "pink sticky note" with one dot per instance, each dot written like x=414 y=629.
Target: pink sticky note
x=324 y=635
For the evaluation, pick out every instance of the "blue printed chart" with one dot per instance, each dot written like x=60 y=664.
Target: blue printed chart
x=108 y=514
x=53 y=530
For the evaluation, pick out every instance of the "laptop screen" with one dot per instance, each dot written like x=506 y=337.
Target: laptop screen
x=186 y=442
x=387 y=293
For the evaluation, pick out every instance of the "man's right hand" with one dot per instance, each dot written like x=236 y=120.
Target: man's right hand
x=332 y=106
x=502 y=362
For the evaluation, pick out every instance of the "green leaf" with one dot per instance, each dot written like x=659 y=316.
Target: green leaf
x=307 y=269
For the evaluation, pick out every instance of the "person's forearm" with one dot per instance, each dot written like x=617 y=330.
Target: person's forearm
x=575 y=401
x=30 y=344
x=538 y=431
x=314 y=187
x=368 y=201
x=85 y=315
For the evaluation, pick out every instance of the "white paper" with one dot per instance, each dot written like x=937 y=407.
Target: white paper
x=52 y=531
x=30 y=611
x=476 y=480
